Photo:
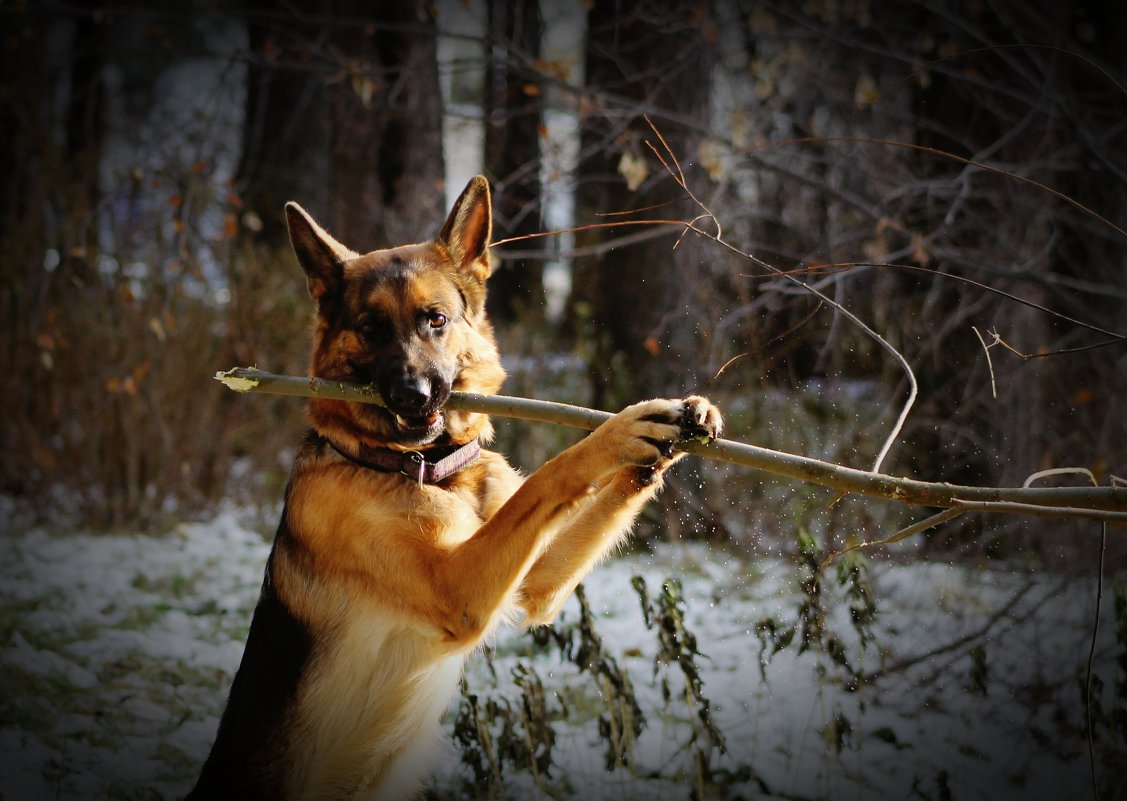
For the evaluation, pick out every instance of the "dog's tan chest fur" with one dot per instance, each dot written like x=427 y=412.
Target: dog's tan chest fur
x=380 y=676
x=370 y=708
x=359 y=536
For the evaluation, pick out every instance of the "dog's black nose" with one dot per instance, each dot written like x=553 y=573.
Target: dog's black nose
x=409 y=394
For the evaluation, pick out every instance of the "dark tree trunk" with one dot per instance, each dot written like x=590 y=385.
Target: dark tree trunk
x=76 y=194
x=285 y=132
x=26 y=77
x=85 y=128
x=641 y=302
x=513 y=120
x=386 y=165
x=25 y=80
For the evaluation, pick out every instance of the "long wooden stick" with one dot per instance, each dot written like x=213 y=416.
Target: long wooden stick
x=1098 y=503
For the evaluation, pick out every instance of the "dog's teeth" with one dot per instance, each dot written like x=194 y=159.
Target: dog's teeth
x=417 y=422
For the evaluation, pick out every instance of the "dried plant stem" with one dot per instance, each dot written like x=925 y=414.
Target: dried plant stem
x=1098 y=503
x=1001 y=614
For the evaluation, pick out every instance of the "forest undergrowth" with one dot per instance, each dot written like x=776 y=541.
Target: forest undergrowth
x=681 y=671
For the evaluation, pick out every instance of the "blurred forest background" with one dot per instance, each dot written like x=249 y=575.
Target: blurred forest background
x=925 y=165
x=911 y=162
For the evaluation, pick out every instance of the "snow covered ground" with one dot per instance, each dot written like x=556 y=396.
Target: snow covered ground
x=116 y=653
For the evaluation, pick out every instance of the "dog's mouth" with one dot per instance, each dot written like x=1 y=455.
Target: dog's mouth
x=413 y=411
x=419 y=429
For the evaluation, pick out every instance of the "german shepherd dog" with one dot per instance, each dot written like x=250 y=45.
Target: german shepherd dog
x=403 y=543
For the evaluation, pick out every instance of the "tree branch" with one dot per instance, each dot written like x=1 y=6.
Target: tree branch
x=1098 y=503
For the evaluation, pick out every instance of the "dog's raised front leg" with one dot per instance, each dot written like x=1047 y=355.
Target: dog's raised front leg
x=584 y=541
x=602 y=525
x=481 y=576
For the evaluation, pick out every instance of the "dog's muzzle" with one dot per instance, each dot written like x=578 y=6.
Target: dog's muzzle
x=415 y=402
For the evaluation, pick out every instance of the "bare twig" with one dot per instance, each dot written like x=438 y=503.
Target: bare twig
x=990 y=49
x=981 y=165
x=604 y=245
x=1092 y=659
x=588 y=227
x=1116 y=336
x=989 y=363
x=903 y=534
x=1023 y=507
x=1083 y=471
x=913 y=387
x=1100 y=503
x=1060 y=471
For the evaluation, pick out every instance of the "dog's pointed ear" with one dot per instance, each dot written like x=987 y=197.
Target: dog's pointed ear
x=320 y=255
x=468 y=229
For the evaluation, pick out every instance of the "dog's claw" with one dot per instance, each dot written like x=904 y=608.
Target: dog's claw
x=700 y=420
x=645 y=476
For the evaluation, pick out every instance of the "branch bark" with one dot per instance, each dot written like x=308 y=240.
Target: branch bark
x=1097 y=503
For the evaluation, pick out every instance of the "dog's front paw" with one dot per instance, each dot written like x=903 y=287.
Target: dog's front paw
x=645 y=435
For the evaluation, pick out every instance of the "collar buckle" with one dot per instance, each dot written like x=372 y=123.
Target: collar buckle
x=413 y=460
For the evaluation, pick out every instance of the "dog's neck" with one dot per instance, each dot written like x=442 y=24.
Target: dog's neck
x=429 y=466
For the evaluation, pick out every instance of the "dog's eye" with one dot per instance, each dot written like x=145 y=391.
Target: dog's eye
x=437 y=320
x=373 y=329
